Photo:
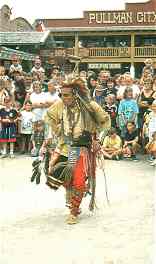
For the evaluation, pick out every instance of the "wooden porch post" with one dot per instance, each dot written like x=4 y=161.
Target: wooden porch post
x=132 y=69
x=76 y=48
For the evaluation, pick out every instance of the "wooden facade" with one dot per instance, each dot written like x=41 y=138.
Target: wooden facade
x=118 y=40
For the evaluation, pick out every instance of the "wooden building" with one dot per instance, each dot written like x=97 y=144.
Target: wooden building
x=18 y=36
x=7 y=24
x=24 y=44
x=117 y=40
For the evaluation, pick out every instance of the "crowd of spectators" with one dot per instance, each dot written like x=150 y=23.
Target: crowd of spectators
x=131 y=103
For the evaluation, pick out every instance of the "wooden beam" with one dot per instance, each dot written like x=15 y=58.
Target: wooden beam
x=76 y=48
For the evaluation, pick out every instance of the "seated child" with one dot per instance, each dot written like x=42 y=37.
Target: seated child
x=112 y=143
x=131 y=146
x=151 y=148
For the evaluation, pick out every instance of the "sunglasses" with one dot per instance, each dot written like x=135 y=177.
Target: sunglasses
x=66 y=95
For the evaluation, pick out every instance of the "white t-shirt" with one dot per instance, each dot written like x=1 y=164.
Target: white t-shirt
x=38 y=98
x=17 y=67
x=136 y=90
x=27 y=118
x=40 y=70
x=50 y=98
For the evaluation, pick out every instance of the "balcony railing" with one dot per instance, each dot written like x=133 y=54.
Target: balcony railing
x=111 y=52
x=120 y=52
x=145 y=51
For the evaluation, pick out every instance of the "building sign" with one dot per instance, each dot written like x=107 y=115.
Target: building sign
x=119 y=18
x=104 y=66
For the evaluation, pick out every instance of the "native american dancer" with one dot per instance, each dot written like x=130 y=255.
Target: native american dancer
x=75 y=120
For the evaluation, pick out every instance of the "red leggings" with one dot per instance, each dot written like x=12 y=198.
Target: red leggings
x=78 y=186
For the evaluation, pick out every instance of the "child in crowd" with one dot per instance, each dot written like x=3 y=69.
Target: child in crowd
x=111 y=108
x=37 y=137
x=8 y=119
x=131 y=146
x=38 y=67
x=112 y=145
x=15 y=66
x=26 y=127
x=3 y=92
x=127 y=112
x=151 y=148
x=110 y=87
x=28 y=83
x=98 y=95
x=3 y=75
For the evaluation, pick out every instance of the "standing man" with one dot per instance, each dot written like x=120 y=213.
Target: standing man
x=75 y=119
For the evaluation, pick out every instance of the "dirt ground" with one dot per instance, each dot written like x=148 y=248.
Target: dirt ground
x=32 y=218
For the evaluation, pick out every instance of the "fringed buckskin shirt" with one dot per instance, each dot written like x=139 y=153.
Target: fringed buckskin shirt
x=58 y=114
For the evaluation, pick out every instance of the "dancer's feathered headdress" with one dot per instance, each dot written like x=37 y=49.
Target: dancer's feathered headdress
x=80 y=87
x=81 y=93
x=77 y=86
